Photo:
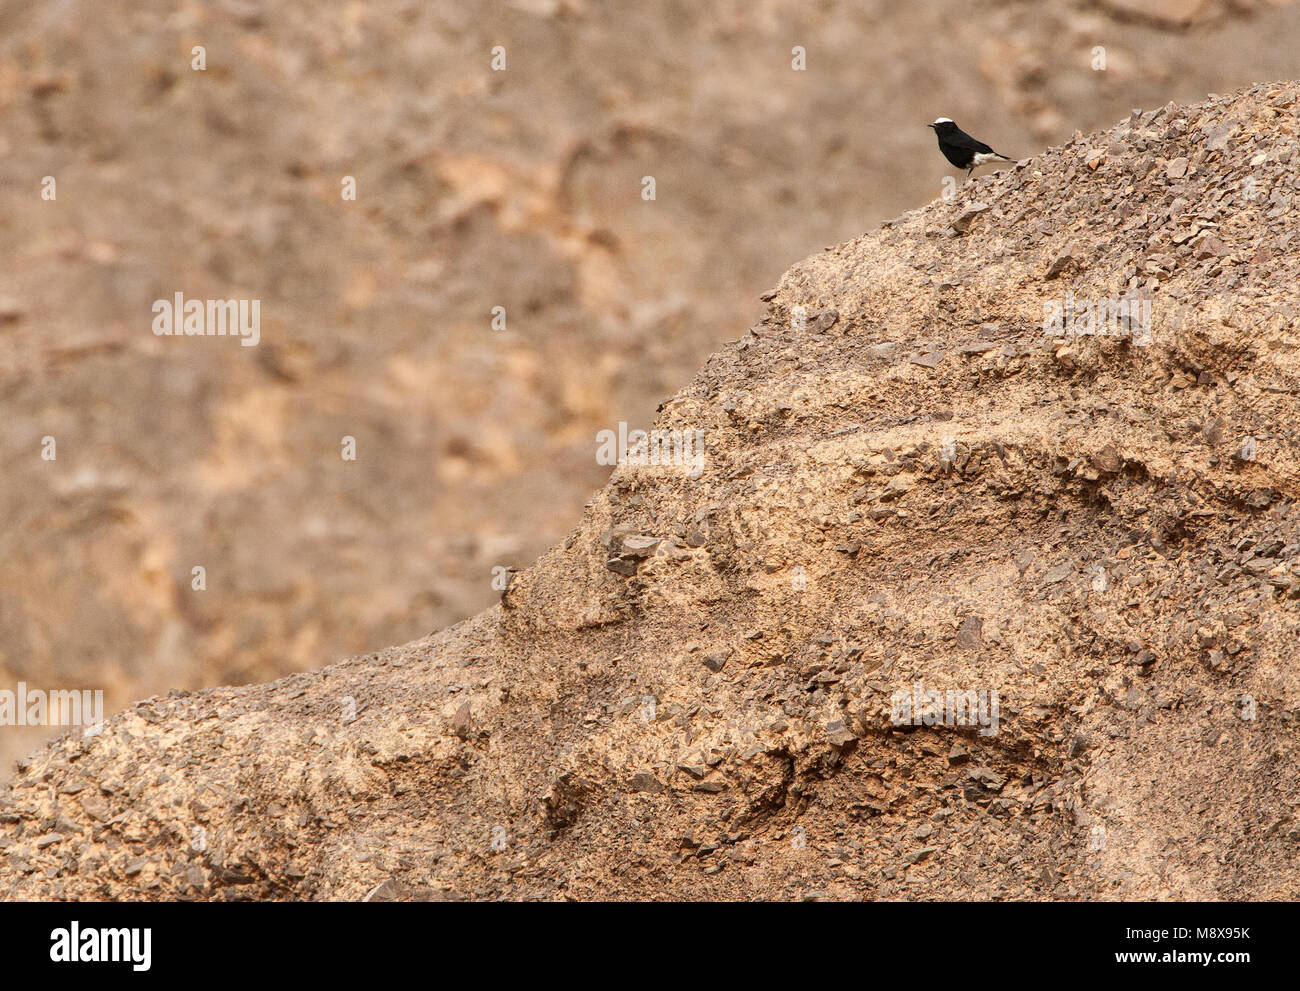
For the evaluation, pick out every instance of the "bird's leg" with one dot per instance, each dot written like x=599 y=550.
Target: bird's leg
x=968 y=172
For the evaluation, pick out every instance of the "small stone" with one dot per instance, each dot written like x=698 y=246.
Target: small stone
x=931 y=359
x=386 y=891
x=839 y=734
x=1108 y=460
x=1059 y=263
x=640 y=546
x=1208 y=246
x=1217 y=138
x=987 y=777
x=95 y=807
x=461 y=721
x=647 y=782
x=898 y=485
x=825 y=321
x=963 y=221
x=1058 y=574
x=971 y=634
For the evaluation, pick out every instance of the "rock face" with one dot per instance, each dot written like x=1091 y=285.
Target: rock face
x=496 y=294
x=911 y=484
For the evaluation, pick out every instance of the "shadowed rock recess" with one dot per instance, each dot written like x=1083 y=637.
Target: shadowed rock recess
x=907 y=482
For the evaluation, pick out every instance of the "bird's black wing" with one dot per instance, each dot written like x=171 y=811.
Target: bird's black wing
x=963 y=140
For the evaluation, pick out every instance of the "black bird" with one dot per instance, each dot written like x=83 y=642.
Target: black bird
x=961 y=149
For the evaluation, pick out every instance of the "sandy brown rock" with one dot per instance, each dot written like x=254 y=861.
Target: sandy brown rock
x=475 y=189
x=1103 y=531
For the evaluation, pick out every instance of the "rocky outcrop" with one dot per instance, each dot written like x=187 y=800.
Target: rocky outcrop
x=911 y=483
x=497 y=292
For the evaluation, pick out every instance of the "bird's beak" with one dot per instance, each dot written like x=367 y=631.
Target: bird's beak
x=929 y=125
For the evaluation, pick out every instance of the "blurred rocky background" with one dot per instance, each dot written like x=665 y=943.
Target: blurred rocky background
x=475 y=189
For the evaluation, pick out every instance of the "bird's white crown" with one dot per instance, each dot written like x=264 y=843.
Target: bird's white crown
x=943 y=120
